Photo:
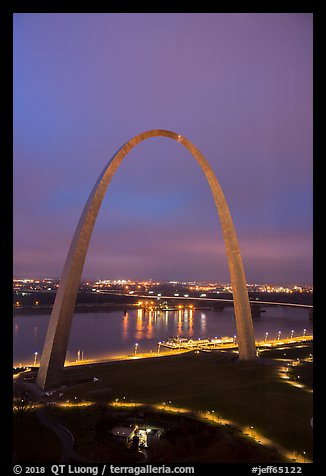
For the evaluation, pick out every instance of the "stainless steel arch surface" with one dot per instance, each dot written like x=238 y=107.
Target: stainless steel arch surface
x=56 y=341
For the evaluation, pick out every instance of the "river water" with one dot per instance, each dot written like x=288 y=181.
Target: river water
x=100 y=334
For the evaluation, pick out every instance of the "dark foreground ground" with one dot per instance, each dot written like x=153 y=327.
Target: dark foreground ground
x=185 y=440
x=248 y=394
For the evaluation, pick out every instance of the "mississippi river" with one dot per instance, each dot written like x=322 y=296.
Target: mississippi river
x=100 y=334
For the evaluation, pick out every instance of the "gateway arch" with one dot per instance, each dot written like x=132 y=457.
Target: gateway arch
x=57 y=337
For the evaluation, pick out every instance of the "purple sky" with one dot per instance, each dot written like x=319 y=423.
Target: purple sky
x=239 y=86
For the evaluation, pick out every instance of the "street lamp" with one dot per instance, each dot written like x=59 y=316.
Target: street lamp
x=304 y=332
x=252 y=431
x=159 y=347
x=35 y=358
x=292 y=332
x=135 y=349
x=235 y=339
x=278 y=335
x=304 y=456
x=266 y=335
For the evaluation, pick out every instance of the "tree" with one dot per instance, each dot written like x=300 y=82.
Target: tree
x=23 y=402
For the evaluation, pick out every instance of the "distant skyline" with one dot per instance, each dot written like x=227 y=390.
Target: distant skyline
x=239 y=86
x=123 y=278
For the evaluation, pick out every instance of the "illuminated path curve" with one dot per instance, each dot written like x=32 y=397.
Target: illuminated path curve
x=57 y=337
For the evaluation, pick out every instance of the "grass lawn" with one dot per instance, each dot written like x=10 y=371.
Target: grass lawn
x=296 y=352
x=246 y=393
x=305 y=373
x=33 y=442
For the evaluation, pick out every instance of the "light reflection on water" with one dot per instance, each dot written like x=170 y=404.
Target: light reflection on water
x=116 y=332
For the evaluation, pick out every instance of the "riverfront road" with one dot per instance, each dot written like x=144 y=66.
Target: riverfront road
x=184 y=347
